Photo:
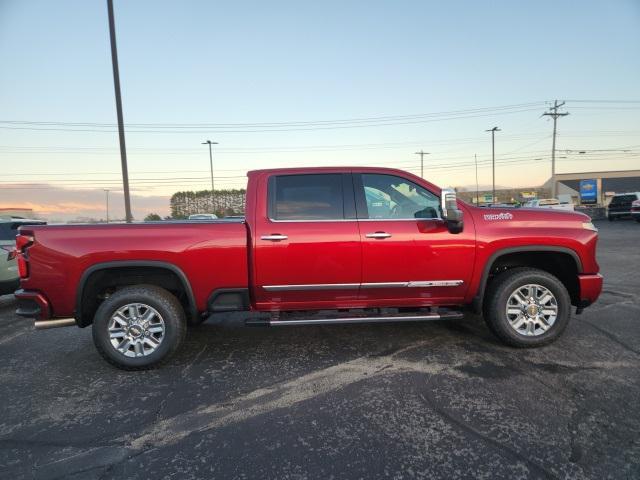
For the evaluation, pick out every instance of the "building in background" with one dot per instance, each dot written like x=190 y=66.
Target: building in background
x=596 y=188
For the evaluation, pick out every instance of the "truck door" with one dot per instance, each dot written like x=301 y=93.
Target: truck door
x=408 y=255
x=307 y=244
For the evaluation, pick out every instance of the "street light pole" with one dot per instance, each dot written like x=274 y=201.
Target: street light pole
x=475 y=157
x=210 y=143
x=106 y=191
x=116 y=85
x=493 y=161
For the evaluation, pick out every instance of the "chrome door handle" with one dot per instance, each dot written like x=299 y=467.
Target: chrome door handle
x=274 y=237
x=378 y=235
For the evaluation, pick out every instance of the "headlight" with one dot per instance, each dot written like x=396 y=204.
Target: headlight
x=590 y=226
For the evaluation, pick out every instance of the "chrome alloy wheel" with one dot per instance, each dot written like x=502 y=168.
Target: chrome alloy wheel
x=532 y=309
x=136 y=330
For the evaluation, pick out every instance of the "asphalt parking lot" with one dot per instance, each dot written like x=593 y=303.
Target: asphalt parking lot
x=442 y=399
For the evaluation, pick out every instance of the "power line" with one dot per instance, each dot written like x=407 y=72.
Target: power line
x=335 y=126
x=280 y=124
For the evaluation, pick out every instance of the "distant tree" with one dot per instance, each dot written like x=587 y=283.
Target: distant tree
x=226 y=202
x=152 y=217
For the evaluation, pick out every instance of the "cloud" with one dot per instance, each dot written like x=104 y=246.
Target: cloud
x=55 y=203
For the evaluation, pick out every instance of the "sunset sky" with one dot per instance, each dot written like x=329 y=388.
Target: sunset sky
x=307 y=83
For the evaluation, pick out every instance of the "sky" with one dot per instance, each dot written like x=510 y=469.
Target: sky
x=302 y=83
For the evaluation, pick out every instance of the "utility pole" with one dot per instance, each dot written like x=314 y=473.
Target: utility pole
x=116 y=85
x=422 y=154
x=475 y=157
x=553 y=113
x=106 y=191
x=493 y=161
x=210 y=143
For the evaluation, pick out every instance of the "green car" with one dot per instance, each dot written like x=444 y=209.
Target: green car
x=8 y=268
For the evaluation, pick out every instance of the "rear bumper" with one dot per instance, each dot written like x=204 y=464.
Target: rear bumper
x=32 y=305
x=590 y=288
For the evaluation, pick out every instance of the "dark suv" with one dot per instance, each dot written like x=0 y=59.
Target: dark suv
x=620 y=205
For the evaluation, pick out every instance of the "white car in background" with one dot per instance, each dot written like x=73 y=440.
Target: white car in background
x=553 y=203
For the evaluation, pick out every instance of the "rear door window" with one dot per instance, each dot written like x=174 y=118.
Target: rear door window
x=307 y=197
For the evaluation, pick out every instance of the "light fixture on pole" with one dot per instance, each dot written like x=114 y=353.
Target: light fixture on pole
x=210 y=143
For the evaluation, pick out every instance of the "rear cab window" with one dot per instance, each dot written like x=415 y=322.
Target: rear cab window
x=311 y=197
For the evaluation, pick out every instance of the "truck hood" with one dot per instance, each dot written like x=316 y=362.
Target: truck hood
x=529 y=217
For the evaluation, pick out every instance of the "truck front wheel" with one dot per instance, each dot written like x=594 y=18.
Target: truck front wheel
x=138 y=327
x=527 y=307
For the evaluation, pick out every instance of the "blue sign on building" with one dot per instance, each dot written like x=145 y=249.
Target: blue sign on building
x=588 y=191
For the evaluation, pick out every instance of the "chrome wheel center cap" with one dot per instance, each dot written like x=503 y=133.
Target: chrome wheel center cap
x=532 y=310
x=135 y=331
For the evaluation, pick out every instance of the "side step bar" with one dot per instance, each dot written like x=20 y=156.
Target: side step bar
x=351 y=320
x=59 y=322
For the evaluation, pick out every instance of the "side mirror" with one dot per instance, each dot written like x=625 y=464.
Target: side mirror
x=450 y=212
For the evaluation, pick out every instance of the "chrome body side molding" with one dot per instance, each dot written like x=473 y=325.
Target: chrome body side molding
x=352 y=286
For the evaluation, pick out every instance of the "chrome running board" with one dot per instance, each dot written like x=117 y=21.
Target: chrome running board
x=354 y=320
x=58 y=322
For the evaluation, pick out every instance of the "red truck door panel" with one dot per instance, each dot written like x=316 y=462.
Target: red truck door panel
x=307 y=243
x=408 y=255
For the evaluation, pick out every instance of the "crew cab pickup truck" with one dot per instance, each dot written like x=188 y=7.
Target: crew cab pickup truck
x=317 y=246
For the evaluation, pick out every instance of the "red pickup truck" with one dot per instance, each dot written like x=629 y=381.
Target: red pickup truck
x=317 y=246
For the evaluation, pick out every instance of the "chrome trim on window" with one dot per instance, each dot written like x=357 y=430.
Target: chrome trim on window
x=396 y=219
x=354 y=220
x=352 y=286
x=313 y=221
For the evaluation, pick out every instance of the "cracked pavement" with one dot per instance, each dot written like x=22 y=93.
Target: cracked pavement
x=440 y=399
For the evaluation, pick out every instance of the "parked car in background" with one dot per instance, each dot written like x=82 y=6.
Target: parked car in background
x=549 y=203
x=9 y=282
x=635 y=210
x=203 y=216
x=620 y=205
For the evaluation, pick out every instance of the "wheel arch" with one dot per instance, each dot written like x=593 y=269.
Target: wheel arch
x=91 y=274
x=536 y=256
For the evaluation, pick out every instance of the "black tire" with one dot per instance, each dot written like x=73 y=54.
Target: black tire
x=169 y=308
x=498 y=294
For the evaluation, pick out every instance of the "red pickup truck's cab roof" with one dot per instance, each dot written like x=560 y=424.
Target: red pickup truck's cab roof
x=358 y=169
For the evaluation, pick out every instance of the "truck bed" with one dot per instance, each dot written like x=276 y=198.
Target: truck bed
x=212 y=254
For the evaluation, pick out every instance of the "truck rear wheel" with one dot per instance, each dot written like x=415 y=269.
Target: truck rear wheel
x=138 y=327
x=527 y=307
